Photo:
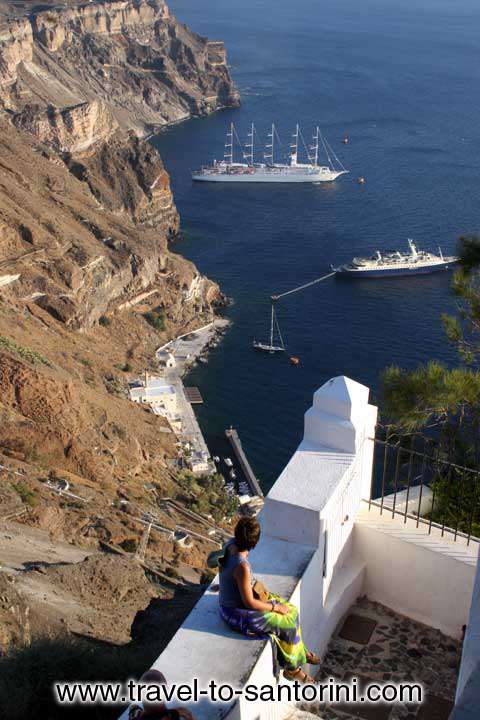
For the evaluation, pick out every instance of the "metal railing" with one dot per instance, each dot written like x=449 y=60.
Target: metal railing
x=419 y=484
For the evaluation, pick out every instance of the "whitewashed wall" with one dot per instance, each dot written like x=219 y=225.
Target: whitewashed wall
x=467 y=701
x=422 y=575
x=321 y=549
x=304 y=553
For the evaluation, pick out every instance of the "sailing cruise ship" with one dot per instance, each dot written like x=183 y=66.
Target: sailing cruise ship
x=416 y=262
x=229 y=170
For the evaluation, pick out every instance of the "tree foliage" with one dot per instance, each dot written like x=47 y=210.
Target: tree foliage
x=443 y=402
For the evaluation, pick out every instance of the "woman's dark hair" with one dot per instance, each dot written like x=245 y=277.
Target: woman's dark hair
x=247 y=533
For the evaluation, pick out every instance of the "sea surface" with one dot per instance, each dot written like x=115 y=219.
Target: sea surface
x=402 y=80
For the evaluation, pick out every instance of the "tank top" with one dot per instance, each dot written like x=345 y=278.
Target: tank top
x=229 y=592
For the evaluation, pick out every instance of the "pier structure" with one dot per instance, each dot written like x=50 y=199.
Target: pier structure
x=232 y=435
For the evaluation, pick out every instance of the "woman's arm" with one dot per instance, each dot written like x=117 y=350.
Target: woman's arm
x=243 y=579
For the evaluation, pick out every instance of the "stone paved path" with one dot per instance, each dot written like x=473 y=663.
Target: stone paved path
x=399 y=650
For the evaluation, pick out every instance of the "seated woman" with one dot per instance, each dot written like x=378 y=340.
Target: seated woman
x=274 y=618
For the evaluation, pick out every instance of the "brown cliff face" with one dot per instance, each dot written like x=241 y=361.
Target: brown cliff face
x=86 y=216
x=90 y=235
x=86 y=82
x=150 y=69
x=71 y=129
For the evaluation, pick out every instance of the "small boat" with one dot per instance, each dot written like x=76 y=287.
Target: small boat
x=216 y=459
x=346 y=140
x=228 y=462
x=232 y=474
x=361 y=180
x=416 y=262
x=271 y=347
x=294 y=360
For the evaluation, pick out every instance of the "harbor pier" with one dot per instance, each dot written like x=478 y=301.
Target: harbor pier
x=232 y=436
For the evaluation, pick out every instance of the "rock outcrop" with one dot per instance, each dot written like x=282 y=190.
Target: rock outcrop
x=86 y=208
x=132 y=54
x=71 y=129
x=88 y=234
x=86 y=219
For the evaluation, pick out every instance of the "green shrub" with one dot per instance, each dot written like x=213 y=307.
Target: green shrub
x=27 y=496
x=156 y=318
x=104 y=321
x=25 y=353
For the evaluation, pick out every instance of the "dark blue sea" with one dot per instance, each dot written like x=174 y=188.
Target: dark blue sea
x=402 y=80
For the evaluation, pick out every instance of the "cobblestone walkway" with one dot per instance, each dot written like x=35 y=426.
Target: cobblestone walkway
x=398 y=650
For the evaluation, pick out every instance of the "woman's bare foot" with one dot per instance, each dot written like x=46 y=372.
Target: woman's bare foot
x=299 y=675
x=313 y=659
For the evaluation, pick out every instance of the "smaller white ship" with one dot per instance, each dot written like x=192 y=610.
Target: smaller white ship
x=228 y=462
x=415 y=262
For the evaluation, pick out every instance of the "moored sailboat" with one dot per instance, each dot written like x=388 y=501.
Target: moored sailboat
x=271 y=347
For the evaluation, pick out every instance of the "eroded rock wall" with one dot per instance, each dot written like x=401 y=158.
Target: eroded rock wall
x=150 y=69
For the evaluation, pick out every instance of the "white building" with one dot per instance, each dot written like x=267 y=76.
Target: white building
x=323 y=546
x=160 y=395
x=166 y=359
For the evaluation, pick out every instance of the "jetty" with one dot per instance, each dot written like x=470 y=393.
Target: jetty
x=232 y=436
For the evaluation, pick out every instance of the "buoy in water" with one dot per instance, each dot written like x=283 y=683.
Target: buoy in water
x=361 y=180
x=294 y=361
x=346 y=140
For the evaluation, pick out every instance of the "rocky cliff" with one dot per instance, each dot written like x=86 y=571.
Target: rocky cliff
x=149 y=68
x=86 y=207
x=86 y=220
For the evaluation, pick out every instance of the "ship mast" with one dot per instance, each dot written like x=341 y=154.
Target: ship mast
x=228 y=155
x=271 y=328
x=315 y=147
x=270 y=135
x=250 y=155
x=294 y=147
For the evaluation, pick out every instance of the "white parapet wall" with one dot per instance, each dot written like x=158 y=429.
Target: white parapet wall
x=304 y=554
x=467 y=700
x=323 y=544
x=416 y=571
x=317 y=496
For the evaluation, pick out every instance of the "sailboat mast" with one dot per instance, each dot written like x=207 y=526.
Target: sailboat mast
x=294 y=147
x=271 y=327
x=269 y=146
x=228 y=154
x=316 y=145
x=249 y=156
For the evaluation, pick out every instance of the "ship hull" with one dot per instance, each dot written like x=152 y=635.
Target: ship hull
x=393 y=272
x=267 y=177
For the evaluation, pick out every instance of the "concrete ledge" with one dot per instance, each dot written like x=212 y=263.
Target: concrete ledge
x=205 y=648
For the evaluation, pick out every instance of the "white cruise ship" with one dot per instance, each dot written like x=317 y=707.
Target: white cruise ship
x=416 y=262
x=230 y=170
